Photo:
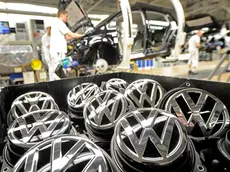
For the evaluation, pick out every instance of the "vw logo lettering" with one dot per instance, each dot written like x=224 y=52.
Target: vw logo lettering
x=117 y=84
x=66 y=152
x=139 y=131
x=145 y=93
x=34 y=127
x=30 y=102
x=197 y=107
x=78 y=96
x=107 y=106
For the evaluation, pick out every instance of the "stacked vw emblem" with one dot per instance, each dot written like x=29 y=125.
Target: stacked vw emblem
x=144 y=93
x=77 y=98
x=102 y=112
x=30 y=102
x=151 y=139
x=31 y=129
x=117 y=84
x=65 y=153
x=203 y=114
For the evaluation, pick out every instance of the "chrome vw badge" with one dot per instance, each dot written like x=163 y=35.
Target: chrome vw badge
x=78 y=96
x=144 y=93
x=150 y=136
x=204 y=115
x=117 y=84
x=103 y=110
x=30 y=102
x=63 y=153
x=34 y=127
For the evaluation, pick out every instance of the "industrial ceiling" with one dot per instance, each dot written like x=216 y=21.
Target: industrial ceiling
x=217 y=8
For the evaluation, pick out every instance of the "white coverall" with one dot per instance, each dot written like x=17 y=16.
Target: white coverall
x=58 y=45
x=46 y=50
x=194 y=51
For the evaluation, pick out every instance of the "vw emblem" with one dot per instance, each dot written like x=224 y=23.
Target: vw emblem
x=30 y=102
x=117 y=84
x=78 y=96
x=103 y=110
x=196 y=108
x=63 y=153
x=144 y=93
x=150 y=136
x=34 y=127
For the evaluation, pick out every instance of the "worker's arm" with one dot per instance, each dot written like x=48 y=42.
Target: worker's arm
x=198 y=43
x=71 y=35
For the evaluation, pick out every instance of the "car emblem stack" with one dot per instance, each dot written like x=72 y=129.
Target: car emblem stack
x=77 y=98
x=102 y=112
x=65 y=153
x=117 y=84
x=32 y=128
x=30 y=102
x=144 y=93
x=154 y=137
x=203 y=114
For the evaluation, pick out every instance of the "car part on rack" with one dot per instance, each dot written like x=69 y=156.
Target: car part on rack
x=150 y=139
x=101 y=113
x=203 y=114
x=117 y=84
x=144 y=93
x=65 y=153
x=101 y=65
x=30 y=102
x=31 y=129
x=77 y=98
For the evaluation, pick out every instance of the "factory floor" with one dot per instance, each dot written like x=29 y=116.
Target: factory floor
x=204 y=70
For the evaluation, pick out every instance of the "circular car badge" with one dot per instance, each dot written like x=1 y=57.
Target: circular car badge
x=78 y=96
x=63 y=153
x=203 y=114
x=117 y=84
x=150 y=136
x=104 y=109
x=34 y=127
x=144 y=93
x=30 y=102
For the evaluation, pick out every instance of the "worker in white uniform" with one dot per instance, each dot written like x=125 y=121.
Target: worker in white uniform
x=60 y=33
x=46 y=48
x=194 y=45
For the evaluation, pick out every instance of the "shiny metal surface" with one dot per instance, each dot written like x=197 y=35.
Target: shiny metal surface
x=145 y=93
x=78 y=96
x=197 y=107
x=63 y=153
x=30 y=102
x=117 y=84
x=34 y=127
x=150 y=135
x=104 y=109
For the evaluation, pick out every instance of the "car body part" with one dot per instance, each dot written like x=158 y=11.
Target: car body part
x=144 y=93
x=150 y=139
x=117 y=84
x=101 y=65
x=65 y=153
x=203 y=114
x=31 y=129
x=108 y=39
x=101 y=114
x=30 y=102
